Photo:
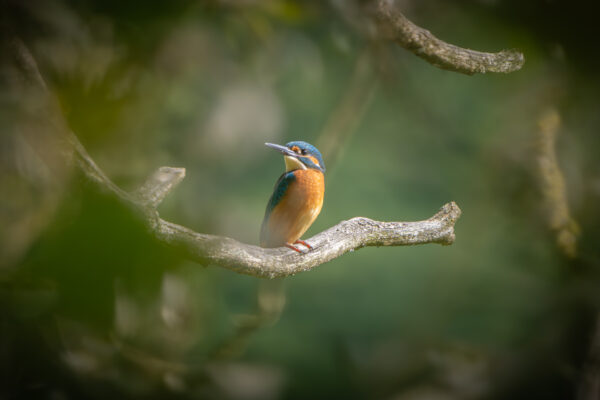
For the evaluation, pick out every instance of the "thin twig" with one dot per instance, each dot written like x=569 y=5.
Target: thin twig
x=348 y=113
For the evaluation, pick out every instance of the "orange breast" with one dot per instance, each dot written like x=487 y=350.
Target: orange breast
x=298 y=209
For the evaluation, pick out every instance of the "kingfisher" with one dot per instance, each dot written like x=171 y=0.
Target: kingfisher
x=297 y=197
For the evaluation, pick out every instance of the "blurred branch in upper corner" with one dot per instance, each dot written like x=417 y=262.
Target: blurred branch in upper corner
x=395 y=26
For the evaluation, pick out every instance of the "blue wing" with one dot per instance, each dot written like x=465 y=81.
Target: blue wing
x=281 y=187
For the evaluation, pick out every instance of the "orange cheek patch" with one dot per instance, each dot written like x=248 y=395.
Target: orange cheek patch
x=314 y=160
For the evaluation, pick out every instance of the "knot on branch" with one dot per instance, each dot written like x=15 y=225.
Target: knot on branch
x=156 y=188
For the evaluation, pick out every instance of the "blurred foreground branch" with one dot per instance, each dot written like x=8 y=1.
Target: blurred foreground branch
x=395 y=26
x=229 y=253
x=589 y=386
x=552 y=184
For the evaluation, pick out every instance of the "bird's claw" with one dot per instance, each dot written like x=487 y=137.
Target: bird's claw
x=302 y=242
x=291 y=246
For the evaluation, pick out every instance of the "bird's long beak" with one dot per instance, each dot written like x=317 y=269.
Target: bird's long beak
x=282 y=149
x=292 y=160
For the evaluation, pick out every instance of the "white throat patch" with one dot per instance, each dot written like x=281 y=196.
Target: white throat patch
x=292 y=163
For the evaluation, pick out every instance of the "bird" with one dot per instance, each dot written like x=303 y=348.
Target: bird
x=297 y=198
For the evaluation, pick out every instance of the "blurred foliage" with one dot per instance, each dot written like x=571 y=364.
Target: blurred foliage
x=93 y=307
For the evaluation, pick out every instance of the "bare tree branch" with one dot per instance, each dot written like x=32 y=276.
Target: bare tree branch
x=344 y=237
x=424 y=44
x=228 y=253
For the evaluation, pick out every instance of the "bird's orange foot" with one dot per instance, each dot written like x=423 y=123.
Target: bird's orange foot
x=291 y=246
x=302 y=242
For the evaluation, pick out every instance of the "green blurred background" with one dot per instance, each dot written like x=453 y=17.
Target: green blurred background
x=93 y=307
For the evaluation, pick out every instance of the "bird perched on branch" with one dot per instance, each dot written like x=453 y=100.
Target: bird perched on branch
x=297 y=198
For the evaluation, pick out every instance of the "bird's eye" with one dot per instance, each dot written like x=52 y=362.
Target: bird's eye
x=303 y=151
